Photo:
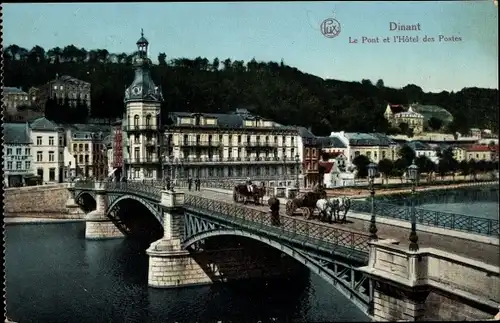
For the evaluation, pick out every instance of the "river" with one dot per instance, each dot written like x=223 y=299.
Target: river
x=54 y=275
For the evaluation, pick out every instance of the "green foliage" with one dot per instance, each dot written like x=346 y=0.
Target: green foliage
x=435 y=123
x=424 y=164
x=277 y=91
x=385 y=166
x=407 y=155
x=361 y=162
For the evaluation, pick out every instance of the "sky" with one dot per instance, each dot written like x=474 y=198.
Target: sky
x=272 y=31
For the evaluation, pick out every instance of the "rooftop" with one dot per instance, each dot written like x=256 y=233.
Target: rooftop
x=16 y=133
x=44 y=124
x=418 y=145
x=331 y=142
x=368 y=139
x=12 y=90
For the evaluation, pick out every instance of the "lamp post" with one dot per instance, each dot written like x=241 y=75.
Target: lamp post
x=172 y=160
x=413 y=176
x=297 y=161
x=372 y=171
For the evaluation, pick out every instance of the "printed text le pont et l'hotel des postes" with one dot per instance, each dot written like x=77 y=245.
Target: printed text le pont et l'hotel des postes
x=408 y=37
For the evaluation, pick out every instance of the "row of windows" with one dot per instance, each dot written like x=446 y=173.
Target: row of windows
x=19 y=165
x=86 y=158
x=239 y=153
x=19 y=151
x=39 y=141
x=85 y=147
x=17 y=97
x=311 y=152
x=39 y=156
x=240 y=137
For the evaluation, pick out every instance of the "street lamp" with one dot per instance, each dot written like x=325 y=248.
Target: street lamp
x=372 y=171
x=413 y=176
x=297 y=161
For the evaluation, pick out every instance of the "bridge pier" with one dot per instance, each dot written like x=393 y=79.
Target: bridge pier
x=169 y=264
x=98 y=225
x=430 y=284
x=71 y=205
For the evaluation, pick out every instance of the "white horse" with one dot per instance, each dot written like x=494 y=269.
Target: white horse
x=326 y=209
x=340 y=204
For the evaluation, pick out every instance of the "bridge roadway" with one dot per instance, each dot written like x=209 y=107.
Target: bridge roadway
x=488 y=253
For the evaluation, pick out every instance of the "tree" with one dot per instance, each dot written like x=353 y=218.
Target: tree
x=385 y=167
x=162 y=59
x=409 y=133
x=403 y=126
x=215 y=64
x=435 y=123
x=361 y=162
x=464 y=168
x=473 y=168
x=380 y=84
x=407 y=155
x=424 y=164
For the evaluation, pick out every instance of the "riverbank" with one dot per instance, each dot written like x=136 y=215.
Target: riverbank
x=364 y=192
x=38 y=220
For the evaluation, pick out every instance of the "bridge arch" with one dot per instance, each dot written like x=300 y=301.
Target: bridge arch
x=129 y=213
x=156 y=211
x=86 y=201
x=314 y=265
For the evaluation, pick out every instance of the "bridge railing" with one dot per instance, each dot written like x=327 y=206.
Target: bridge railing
x=446 y=220
x=293 y=228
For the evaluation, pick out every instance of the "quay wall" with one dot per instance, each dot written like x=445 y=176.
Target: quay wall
x=47 y=201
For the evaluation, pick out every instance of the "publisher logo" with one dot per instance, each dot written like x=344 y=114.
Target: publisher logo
x=330 y=28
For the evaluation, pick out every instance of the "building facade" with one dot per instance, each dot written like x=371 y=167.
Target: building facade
x=231 y=146
x=141 y=122
x=48 y=150
x=61 y=88
x=86 y=145
x=310 y=155
x=13 y=98
x=422 y=149
x=18 y=160
x=397 y=114
x=481 y=152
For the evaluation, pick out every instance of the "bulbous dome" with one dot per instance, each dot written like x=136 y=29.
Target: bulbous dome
x=143 y=88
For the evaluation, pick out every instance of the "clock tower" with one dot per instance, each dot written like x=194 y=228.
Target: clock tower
x=142 y=120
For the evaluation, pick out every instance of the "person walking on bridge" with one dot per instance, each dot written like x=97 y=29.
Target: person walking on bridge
x=190 y=183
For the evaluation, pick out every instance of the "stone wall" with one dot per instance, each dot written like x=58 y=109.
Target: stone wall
x=213 y=266
x=38 y=201
x=430 y=284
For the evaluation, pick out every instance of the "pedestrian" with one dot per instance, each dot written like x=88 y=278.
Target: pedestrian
x=197 y=184
x=168 y=183
x=190 y=183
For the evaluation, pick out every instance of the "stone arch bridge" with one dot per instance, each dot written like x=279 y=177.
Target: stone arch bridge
x=383 y=279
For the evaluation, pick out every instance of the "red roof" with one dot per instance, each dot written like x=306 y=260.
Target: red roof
x=481 y=148
x=327 y=166
x=396 y=108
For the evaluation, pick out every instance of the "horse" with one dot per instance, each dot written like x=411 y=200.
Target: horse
x=244 y=193
x=326 y=209
x=340 y=204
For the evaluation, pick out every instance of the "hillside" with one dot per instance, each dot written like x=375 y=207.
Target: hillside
x=273 y=90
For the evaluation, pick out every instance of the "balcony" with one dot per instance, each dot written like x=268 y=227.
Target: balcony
x=230 y=160
x=143 y=161
x=263 y=144
x=141 y=128
x=199 y=143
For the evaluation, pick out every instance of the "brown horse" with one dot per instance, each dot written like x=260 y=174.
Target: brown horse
x=241 y=193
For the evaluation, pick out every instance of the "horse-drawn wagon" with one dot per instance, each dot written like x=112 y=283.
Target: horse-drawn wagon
x=305 y=202
x=243 y=193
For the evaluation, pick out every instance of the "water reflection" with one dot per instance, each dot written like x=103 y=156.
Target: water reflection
x=55 y=275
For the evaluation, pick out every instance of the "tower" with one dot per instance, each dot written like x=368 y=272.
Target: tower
x=142 y=120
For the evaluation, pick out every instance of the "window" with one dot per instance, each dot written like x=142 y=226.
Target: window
x=9 y=165
x=136 y=139
x=86 y=159
x=80 y=147
x=75 y=147
x=356 y=153
x=136 y=120
x=39 y=140
x=55 y=87
x=9 y=151
x=51 y=156
x=136 y=172
x=60 y=141
x=18 y=151
x=383 y=154
x=307 y=152
x=19 y=165
x=27 y=165
x=86 y=147
x=148 y=120
x=148 y=173
x=51 y=141
x=314 y=152
x=80 y=159
x=39 y=156
x=60 y=87
x=27 y=151
x=137 y=153
x=52 y=174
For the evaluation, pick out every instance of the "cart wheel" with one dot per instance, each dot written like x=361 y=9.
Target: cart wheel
x=290 y=207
